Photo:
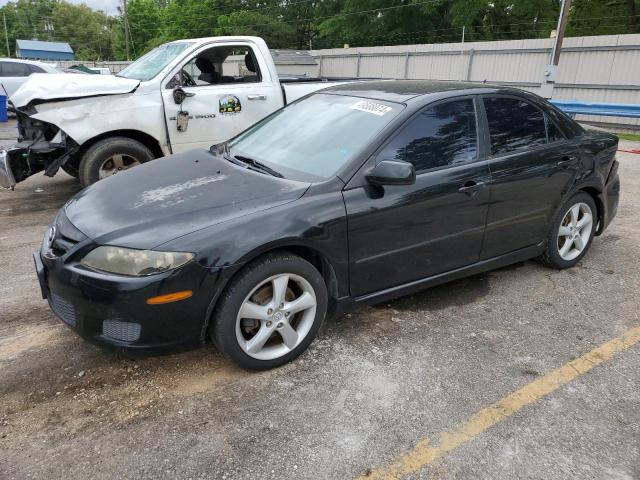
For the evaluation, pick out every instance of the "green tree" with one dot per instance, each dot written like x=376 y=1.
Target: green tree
x=87 y=31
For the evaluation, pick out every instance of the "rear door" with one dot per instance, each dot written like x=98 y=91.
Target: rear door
x=532 y=165
x=398 y=234
x=225 y=96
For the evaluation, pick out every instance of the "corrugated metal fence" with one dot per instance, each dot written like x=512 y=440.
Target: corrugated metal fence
x=597 y=69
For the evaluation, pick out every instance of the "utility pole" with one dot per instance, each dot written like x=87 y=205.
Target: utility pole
x=126 y=30
x=6 y=34
x=464 y=27
x=551 y=70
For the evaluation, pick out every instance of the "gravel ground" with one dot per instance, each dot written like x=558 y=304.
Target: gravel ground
x=371 y=386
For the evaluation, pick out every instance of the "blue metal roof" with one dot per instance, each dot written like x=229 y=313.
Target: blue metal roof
x=44 y=46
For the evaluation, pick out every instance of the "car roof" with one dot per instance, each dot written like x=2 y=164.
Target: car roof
x=21 y=60
x=407 y=91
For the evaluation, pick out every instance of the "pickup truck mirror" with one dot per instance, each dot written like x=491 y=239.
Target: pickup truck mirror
x=179 y=95
x=392 y=172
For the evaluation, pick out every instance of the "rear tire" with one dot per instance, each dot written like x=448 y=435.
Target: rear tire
x=110 y=156
x=258 y=329
x=571 y=233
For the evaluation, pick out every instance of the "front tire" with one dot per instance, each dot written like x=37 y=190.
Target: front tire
x=572 y=232
x=271 y=312
x=110 y=156
x=71 y=170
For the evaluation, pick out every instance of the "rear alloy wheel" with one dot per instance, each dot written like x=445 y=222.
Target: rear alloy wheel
x=271 y=312
x=575 y=231
x=572 y=232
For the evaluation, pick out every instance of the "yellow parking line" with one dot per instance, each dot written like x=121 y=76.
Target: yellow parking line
x=424 y=453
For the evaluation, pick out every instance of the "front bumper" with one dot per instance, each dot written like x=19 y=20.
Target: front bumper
x=112 y=310
x=7 y=179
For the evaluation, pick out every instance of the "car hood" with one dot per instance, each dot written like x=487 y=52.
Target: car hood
x=43 y=87
x=173 y=196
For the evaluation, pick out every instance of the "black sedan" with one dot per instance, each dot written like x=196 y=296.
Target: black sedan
x=351 y=196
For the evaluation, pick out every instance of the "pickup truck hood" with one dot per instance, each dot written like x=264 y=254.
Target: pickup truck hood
x=43 y=87
x=173 y=196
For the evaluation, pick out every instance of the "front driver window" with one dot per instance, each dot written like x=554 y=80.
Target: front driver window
x=440 y=136
x=219 y=66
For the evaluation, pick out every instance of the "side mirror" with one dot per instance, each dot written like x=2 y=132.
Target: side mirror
x=392 y=172
x=179 y=95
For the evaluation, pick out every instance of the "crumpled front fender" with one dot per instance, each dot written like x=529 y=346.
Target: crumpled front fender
x=86 y=118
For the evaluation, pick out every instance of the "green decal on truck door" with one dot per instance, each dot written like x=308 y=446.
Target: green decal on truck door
x=230 y=104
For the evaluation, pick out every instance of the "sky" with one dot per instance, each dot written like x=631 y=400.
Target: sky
x=109 y=6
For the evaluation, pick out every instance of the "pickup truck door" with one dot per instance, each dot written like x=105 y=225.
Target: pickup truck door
x=227 y=97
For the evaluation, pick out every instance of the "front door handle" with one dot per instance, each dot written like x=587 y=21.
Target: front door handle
x=566 y=161
x=258 y=96
x=471 y=187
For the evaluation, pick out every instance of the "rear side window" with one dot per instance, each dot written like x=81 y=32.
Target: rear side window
x=11 y=69
x=440 y=136
x=36 y=69
x=514 y=124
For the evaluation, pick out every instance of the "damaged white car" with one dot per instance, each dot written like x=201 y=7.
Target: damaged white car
x=181 y=95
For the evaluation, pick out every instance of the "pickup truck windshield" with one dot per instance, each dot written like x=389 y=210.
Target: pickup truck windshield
x=149 y=65
x=313 y=138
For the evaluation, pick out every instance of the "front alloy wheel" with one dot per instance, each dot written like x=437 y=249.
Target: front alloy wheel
x=276 y=316
x=270 y=312
x=117 y=163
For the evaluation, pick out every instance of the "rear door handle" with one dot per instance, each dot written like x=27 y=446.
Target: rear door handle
x=471 y=187
x=258 y=96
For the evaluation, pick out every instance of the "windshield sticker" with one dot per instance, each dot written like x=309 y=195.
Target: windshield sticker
x=371 y=107
x=230 y=104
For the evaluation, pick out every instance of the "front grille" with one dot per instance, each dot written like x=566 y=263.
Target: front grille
x=63 y=309
x=123 y=331
x=61 y=245
x=65 y=236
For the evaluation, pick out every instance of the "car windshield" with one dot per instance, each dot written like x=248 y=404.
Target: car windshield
x=149 y=65
x=313 y=138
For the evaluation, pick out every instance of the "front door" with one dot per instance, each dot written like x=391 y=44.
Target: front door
x=532 y=167
x=398 y=234
x=229 y=89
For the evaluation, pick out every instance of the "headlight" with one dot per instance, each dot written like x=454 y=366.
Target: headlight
x=127 y=261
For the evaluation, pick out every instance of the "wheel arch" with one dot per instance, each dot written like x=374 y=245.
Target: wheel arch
x=144 y=138
x=594 y=193
x=314 y=256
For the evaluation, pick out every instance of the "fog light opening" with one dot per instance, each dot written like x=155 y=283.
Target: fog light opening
x=170 y=297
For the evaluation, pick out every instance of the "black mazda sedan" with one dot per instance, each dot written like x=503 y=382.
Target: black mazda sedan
x=350 y=196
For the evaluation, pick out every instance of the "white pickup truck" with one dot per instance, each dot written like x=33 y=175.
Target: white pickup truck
x=181 y=95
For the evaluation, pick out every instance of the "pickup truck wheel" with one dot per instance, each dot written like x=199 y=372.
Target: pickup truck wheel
x=110 y=156
x=71 y=170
